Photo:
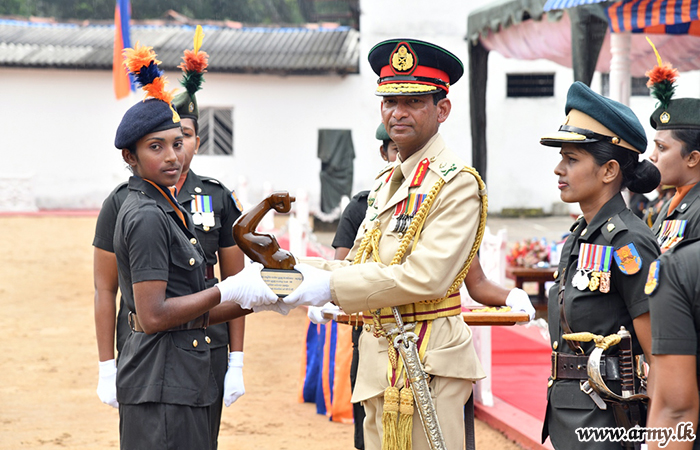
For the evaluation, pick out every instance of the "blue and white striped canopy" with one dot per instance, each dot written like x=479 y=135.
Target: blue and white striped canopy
x=563 y=4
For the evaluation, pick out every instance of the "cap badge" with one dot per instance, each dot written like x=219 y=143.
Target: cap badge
x=664 y=117
x=190 y=107
x=615 y=140
x=403 y=59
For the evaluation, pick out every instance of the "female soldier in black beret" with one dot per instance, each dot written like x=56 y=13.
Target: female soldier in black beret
x=600 y=280
x=214 y=209
x=165 y=381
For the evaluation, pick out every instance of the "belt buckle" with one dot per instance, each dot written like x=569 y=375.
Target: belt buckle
x=554 y=359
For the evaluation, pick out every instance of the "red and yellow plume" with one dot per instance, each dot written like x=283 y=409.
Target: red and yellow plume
x=143 y=65
x=662 y=79
x=194 y=64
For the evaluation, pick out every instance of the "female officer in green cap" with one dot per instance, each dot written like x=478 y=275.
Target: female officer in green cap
x=677 y=156
x=599 y=284
x=165 y=380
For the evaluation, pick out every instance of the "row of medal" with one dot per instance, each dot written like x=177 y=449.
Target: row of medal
x=593 y=270
x=405 y=211
x=202 y=210
x=671 y=234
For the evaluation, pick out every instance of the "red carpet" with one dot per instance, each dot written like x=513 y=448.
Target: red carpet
x=520 y=368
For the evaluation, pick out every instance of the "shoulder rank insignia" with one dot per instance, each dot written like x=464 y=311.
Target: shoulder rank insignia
x=628 y=260
x=653 y=277
x=421 y=171
x=445 y=168
x=237 y=202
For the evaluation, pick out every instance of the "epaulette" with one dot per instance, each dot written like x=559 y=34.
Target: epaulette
x=446 y=168
x=614 y=226
x=576 y=223
x=386 y=168
x=210 y=180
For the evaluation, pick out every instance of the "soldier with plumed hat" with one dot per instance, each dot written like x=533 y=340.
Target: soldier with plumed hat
x=425 y=217
x=599 y=284
x=165 y=383
x=677 y=156
x=673 y=279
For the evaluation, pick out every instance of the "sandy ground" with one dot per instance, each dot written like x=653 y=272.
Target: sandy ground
x=48 y=357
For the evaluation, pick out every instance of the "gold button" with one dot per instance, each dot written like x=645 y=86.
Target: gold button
x=555 y=345
x=193 y=241
x=191 y=261
x=611 y=226
x=555 y=274
x=206 y=228
x=195 y=343
x=550 y=383
x=208 y=339
x=198 y=189
x=368 y=327
x=585 y=230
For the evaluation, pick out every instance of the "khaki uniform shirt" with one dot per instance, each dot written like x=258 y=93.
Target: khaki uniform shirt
x=425 y=272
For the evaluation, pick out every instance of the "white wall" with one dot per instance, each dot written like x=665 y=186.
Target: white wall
x=59 y=124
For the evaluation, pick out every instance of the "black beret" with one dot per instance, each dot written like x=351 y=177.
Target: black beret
x=413 y=67
x=681 y=113
x=145 y=117
x=590 y=117
x=381 y=133
x=186 y=105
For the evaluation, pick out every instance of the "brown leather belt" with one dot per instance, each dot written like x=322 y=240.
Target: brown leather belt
x=209 y=274
x=200 y=322
x=574 y=367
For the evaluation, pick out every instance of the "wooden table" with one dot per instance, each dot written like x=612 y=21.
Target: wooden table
x=523 y=275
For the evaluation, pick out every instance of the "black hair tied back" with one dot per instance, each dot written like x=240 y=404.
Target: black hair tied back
x=646 y=178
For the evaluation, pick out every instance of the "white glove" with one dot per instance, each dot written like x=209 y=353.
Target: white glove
x=247 y=288
x=317 y=314
x=279 y=307
x=518 y=300
x=107 y=384
x=315 y=290
x=233 y=381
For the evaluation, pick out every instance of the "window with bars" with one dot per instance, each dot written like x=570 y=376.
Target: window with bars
x=215 y=131
x=638 y=86
x=530 y=85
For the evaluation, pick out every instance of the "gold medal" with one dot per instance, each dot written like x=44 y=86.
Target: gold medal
x=594 y=282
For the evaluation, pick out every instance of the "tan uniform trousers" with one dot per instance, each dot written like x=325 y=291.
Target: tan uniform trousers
x=449 y=396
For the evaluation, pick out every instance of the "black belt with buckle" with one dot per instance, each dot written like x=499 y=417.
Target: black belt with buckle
x=574 y=367
x=199 y=322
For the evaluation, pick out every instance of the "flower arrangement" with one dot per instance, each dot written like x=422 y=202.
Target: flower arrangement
x=528 y=253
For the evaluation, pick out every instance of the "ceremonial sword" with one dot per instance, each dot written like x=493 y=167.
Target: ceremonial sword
x=405 y=343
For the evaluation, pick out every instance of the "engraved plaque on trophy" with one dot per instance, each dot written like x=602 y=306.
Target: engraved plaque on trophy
x=279 y=271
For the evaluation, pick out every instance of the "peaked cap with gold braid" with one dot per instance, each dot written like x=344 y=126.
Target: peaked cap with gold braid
x=155 y=112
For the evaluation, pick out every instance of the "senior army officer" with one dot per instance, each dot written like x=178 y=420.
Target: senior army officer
x=421 y=275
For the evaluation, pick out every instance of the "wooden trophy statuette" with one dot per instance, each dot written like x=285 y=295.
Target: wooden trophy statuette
x=279 y=263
